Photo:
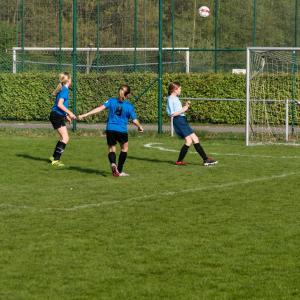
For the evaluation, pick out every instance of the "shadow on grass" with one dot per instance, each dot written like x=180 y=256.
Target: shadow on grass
x=88 y=170
x=171 y=162
x=33 y=157
x=72 y=168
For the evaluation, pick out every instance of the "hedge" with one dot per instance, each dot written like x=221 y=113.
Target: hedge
x=26 y=96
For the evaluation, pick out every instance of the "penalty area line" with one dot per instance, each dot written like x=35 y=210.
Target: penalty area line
x=183 y=191
x=156 y=196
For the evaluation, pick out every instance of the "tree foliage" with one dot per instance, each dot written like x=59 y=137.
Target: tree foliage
x=113 y=23
x=275 y=22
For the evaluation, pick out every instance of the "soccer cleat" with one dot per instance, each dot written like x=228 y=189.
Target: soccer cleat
x=209 y=162
x=57 y=163
x=123 y=174
x=114 y=170
x=180 y=163
x=51 y=158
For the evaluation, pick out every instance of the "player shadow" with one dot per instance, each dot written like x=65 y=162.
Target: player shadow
x=154 y=160
x=88 y=170
x=73 y=168
x=33 y=157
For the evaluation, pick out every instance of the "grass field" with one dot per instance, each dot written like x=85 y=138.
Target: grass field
x=166 y=232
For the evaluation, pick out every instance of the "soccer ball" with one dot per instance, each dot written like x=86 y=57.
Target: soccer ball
x=204 y=11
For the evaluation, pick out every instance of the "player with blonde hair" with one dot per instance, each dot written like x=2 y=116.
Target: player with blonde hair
x=59 y=114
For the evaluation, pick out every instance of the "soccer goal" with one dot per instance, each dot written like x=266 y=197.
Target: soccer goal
x=273 y=95
x=91 y=59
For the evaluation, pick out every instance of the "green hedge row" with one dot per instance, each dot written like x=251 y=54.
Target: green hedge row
x=27 y=96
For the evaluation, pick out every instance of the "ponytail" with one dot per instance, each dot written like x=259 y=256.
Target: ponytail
x=57 y=90
x=63 y=79
x=124 y=91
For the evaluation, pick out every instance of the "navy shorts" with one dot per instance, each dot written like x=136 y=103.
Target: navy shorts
x=181 y=126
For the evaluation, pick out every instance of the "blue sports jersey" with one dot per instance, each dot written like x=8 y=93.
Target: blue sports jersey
x=119 y=114
x=63 y=94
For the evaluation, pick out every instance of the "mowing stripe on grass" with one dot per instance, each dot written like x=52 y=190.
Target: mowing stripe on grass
x=156 y=196
x=155 y=146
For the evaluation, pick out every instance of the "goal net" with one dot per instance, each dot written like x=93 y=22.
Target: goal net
x=273 y=95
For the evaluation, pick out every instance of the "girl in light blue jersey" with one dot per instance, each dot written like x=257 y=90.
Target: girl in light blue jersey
x=59 y=114
x=181 y=126
x=120 y=111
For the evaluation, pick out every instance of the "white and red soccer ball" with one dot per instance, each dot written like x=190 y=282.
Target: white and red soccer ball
x=204 y=11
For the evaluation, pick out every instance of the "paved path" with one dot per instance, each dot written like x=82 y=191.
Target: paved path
x=101 y=126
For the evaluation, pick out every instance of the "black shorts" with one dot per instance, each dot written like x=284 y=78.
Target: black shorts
x=114 y=137
x=57 y=120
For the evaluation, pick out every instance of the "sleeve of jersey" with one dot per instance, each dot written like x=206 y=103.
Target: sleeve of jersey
x=107 y=103
x=63 y=94
x=133 y=115
x=171 y=104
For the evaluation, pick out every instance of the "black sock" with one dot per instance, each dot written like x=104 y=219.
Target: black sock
x=112 y=157
x=201 y=151
x=59 y=149
x=183 y=152
x=122 y=158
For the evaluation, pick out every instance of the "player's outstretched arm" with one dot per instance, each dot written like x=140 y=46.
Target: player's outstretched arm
x=138 y=125
x=92 y=112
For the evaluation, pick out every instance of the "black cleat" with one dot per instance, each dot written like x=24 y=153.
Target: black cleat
x=209 y=162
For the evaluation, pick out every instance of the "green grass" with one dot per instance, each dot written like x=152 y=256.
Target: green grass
x=166 y=232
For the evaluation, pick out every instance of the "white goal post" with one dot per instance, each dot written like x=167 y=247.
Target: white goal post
x=90 y=53
x=273 y=95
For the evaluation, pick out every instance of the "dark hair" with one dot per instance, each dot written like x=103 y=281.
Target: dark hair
x=172 y=87
x=124 y=91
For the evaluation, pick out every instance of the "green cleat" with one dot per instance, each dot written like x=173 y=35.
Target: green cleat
x=51 y=158
x=57 y=163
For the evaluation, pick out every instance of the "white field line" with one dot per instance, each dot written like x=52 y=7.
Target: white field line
x=161 y=148
x=155 y=196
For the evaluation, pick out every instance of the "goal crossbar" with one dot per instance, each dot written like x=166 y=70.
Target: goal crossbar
x=95 y=49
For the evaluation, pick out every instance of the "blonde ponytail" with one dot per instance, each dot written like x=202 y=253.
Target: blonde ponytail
x=63 y=79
